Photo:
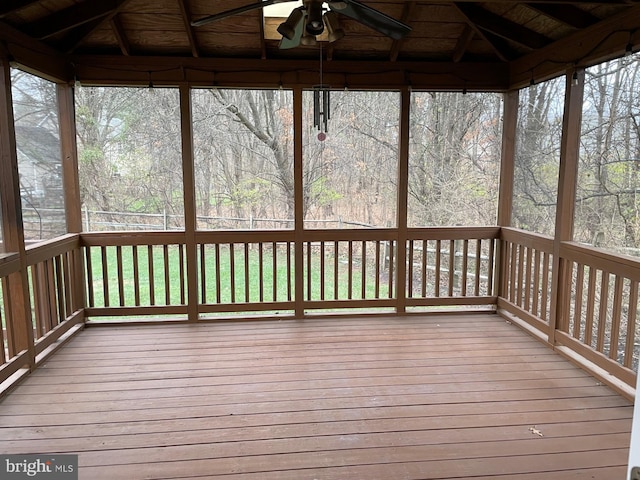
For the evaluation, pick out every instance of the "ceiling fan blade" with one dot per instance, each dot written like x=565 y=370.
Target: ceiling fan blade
x=370 y=17
x=286 y=43
x=236 y=11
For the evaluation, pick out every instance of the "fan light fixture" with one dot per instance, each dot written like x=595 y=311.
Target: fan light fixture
x=288 y=28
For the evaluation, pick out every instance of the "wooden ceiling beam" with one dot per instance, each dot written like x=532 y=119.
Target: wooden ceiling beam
x=407 y=14
x=463 y=43
x=34 y=56
x=570 y=15
x=10 y=6
x=121 y=35
x=605 y=40
x=271 y=73
x=191 y=35
x=72 y=17
x=499 y=26
x=499 y=50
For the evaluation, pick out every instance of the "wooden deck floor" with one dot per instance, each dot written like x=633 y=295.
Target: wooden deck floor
x=408 y=398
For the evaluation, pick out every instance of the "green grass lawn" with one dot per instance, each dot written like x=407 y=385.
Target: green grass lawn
x=243 y=288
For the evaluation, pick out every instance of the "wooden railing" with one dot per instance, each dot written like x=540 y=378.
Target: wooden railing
x=451 y=266
x=53 y=305
x=594 y=319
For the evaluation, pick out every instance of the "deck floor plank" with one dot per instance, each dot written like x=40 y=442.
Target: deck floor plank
x=430 y=397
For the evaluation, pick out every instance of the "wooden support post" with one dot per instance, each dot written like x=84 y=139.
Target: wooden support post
x=403 y=188
x=71 y=185
x=299 y=203
x=505 y=197
x=189 y=192
x=567 y=185
x=13 y=229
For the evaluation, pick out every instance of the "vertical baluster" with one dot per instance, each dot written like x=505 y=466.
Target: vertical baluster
x=136 y=275
x=274 y=260
x=527 y=281
x=476 y=273
x=3 y=356
x=8 y=318
x=335 y=270
x=410 y=270
x=152 y=278
x=105 y=276
x=247 y=297
x=322 y=273
x=546 y=260
x=577 y=316
x=602 y=315
x=437 y=272
x=424 y=268
x=520 y=281
x=218 y=282
x=591 y=296
x=167 y=275
x=90 y=283
x=616 y=318
x=289 y=272
x=67 y=289
x=308 y=258
x=51 y=288
x=203 y=274
x=512 y=273
x=377 y=281
x=350 y=270
x=182 y=273
x=391 y=267
x=38 y=301
x=232 y=272
x=120 y=275
x=465 y=265
x=536 y=283
x=490 y=267
x=61 y=302
x=452 y=266
x=631 y=324
x=364 y=269
x=261 y=272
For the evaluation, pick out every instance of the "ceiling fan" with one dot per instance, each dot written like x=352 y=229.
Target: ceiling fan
x=305 y=23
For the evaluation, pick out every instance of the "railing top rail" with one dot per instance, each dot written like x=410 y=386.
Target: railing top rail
x=106 y=239
x=538 y=241
x=615 y=263
x=9 y=264
x=52 y=248
x=453 y=233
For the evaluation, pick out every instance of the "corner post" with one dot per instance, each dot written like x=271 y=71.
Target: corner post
x=188 y=181
x=505 y=196
x=403 y=196
x=567 y=185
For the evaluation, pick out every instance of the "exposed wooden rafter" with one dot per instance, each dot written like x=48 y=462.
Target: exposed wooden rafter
x=10 y=6
x=463 y=43
x=501 y=27
x=121 y=36
x=407 y=13
x=263 y=43
x=186 y=17
x=570 y=15
x=497 y=46
x=72 y=17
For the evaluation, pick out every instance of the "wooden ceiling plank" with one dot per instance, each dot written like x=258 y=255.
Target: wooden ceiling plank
x=121 y=36
x=10 y=6
x=72 y=17
x=570 y=15
x=407 y=14
x=463 y=43
x=501 y=27
x=605 y=40
x=186 y=16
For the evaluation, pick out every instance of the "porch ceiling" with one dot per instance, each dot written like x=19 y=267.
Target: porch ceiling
x=464 y=44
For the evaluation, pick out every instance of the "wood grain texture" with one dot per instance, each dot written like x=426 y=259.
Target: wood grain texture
x=405 y=398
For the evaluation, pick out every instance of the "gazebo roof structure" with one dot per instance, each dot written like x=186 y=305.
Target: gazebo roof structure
x=460 y=45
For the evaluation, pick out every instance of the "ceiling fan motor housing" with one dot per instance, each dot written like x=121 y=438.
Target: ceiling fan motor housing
x=315 y=24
